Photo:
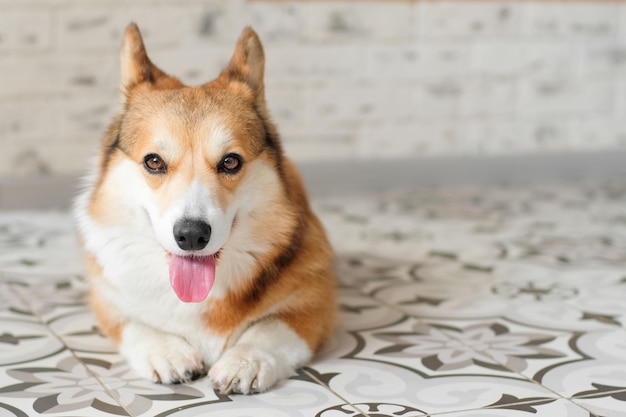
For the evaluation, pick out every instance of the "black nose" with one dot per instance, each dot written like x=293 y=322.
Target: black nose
x=192 y=234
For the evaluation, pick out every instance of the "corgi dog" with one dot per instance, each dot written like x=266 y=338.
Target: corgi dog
x=202 y=252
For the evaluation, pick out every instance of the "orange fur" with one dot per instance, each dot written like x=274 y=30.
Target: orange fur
x=307 y=283
x=109 y=326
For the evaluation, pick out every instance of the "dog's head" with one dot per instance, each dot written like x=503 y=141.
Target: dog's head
x=194 y=159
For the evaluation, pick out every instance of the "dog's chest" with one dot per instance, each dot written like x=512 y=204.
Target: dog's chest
x=158 y=307
x=141 y=291
x=136 y=281
x=169 y=315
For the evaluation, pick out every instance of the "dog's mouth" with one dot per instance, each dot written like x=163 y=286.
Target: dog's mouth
x=192 y=277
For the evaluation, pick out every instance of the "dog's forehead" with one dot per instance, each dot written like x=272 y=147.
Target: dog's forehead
x=196 y=116
x=210 y=135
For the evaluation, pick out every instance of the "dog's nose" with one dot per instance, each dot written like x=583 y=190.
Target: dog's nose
x=192 y=234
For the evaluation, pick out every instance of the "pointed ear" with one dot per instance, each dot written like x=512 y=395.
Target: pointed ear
x=247 y=64
x=136 y=67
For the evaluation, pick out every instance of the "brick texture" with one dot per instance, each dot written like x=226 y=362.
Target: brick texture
x=345 y=79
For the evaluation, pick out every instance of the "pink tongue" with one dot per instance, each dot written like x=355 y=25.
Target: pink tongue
x=192 y=278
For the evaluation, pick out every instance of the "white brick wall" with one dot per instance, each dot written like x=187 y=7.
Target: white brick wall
x=345 y=79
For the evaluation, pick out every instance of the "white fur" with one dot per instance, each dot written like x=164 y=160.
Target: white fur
x=165 y=143
x=238 y=260
x=267 y=352
x=135 y=263
x=220 y=139
x=159 y=356
x=195 y=203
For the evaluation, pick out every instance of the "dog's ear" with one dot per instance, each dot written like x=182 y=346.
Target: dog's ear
x=136 y=67
x=247 y=64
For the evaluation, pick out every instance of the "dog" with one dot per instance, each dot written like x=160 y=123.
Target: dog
x=202 y=252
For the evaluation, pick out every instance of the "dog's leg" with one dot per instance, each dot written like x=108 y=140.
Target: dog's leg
x=267 y=352
x=159 y=356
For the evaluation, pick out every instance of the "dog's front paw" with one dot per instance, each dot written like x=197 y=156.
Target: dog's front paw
x=247 y=369
x=161 y=357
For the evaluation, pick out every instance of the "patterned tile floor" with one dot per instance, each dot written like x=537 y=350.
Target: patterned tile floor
x=460 y=302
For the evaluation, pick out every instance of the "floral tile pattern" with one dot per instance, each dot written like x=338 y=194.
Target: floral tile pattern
x=487 y=301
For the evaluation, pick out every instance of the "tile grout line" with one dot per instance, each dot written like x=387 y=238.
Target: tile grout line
x=591 y=396
x=314 y=378
x=72 y=353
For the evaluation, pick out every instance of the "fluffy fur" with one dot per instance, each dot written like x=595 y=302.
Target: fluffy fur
x=272 y=304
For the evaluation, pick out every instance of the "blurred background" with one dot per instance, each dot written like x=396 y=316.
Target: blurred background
x=346 y=80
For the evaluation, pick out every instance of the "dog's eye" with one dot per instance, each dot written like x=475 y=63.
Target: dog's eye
x=230 y=164
x=154 y=163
